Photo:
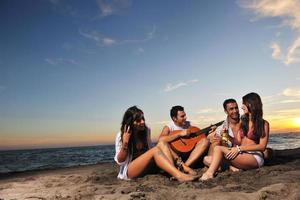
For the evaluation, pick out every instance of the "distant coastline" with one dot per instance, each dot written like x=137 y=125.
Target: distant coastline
x=108 y=144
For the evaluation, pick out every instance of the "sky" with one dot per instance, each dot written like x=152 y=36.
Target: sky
x=69 y=69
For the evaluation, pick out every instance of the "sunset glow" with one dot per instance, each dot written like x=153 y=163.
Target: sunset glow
x=69 y=69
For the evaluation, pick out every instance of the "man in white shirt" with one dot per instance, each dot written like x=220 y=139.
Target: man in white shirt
x=179 y=122
x=231 y=124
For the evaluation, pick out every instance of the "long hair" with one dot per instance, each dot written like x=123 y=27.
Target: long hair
x=131 y=115
x=253 y=102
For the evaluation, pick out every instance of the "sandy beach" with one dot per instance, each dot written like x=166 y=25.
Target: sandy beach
x=279 y=179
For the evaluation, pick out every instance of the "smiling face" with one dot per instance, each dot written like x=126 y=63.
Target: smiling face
x=245 y=109
x=232 y=111
x=139 y=124
x=180 y=119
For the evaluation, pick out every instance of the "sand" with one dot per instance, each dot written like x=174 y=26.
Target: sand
x=279 y=179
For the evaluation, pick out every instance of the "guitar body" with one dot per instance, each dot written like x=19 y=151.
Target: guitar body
x=187 y=144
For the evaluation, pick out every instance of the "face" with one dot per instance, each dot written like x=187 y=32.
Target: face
x=139 y=124
x=232 y=111
x=245 y=109
x=180 y=119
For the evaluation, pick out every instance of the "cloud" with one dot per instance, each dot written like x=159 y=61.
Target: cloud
x=293 y=54
x=170 y=87
x=291 y=92
x=208 y=111
x=139 y=51
x=288 y=111
x=276 y=51
x=112 y=8
x=149 y=35
x=289 y=12
x=59 y=61
x=106 y=41
x=290 y=101
x=286 y=96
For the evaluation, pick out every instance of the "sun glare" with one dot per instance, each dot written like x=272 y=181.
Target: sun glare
x=297 y=121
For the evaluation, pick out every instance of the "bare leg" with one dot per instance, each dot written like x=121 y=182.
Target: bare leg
x=171 y=155
x=211 y=148
x=200 y=148
x=165 y=148
x=207 y=159
x=242 y=161
x=136 y=167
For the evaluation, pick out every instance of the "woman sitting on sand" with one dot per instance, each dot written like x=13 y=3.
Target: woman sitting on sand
x=133 y=152
x=254 y=135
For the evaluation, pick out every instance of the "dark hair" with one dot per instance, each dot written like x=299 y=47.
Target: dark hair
x=253 y=102
x=227 y=101
x=174 y=110
x=130 y=116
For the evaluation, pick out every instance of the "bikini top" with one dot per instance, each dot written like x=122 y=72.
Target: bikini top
x=250 y=135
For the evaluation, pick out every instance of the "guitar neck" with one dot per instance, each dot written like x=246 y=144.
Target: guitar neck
x=207 y=129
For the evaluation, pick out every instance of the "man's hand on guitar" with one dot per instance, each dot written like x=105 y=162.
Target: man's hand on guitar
x=185 y=132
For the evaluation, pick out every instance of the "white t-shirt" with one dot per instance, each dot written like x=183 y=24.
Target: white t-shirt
x=124 y=165
x=173 y=127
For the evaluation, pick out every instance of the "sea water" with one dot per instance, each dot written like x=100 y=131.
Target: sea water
x=54 y=158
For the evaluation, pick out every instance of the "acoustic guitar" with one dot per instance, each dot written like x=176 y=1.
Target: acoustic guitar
x=187 y=143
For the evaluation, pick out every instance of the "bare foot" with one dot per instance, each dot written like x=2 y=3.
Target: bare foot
x=188 y=170
x=186 y=178
x=206 y=176
x=233 y=169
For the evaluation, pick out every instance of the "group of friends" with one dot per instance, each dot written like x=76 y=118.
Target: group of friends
x=248 y=139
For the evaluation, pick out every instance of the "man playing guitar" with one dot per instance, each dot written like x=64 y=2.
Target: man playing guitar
x=179 y=122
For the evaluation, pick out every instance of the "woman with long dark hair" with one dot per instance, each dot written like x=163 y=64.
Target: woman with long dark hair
x=134 y=153
x=254 y=135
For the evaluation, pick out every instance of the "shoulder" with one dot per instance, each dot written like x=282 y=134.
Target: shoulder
x=169 y=126
x=266 y=124
x=148 y=130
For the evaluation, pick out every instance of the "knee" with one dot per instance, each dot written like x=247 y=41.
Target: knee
x=204 y=142
x=156 y=150
x=162 y=144
x=218 y=149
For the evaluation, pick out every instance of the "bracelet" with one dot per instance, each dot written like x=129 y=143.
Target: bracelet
x=239 y=149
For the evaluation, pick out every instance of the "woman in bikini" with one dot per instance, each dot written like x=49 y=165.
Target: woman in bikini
x=254 y=135
x=134 y=153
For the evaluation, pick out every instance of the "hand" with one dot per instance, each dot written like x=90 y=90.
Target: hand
x=212 y=129
x=126 y=134
x=185 y=132
x=232 y=154
x=215 y=139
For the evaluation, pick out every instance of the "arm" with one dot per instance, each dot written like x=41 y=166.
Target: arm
x=214 y=138
x=166 y=137
x=122 y=151
x=263 y=141
x=261 y=146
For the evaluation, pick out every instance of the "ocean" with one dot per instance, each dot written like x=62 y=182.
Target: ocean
x=54 y=158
